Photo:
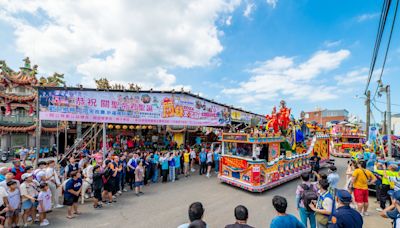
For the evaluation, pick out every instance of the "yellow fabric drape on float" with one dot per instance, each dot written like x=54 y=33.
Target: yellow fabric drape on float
x=178 y=138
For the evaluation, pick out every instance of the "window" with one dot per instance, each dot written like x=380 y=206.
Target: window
x=238 y=149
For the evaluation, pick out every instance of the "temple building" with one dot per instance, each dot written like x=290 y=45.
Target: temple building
x=18 y=98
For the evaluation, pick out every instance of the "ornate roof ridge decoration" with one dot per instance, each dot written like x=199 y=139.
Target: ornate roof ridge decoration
x=31 y=128
x=27 y=76
x=104 y=84
x=18 y=98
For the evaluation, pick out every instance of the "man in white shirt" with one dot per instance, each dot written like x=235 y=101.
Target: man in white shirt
x=3 y=193
x=40 y=173
x=53 y=181
x=193 y=160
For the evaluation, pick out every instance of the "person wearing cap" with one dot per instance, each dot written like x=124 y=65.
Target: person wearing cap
x=29 y=194
x=386 y=173
x=333 y=177
x=40 y=173
x=345 y=216
x=391 y=211
x=396 y=218
x=17 y=169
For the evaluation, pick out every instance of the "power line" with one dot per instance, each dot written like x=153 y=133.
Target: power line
x=381 y=28
x=387 y=47
x=385 y=103
x=373 y=104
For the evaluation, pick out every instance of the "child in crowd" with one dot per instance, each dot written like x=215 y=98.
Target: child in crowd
x=72 y=191
x=13 y=203
x=44 y=199
x=97 y=186
x=139 y=175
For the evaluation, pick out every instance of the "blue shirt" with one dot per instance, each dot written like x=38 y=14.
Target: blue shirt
x=203 y=156
x=164 y=164
x=286 y=221
x=177 y=161
x=72 y=184
x=2 y=177
x=171 y=162
x=347 y=217
x=156 y=159
x=216 y=156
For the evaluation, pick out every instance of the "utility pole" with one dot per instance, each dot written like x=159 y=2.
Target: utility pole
x=389 y=120
x=368 y=104
x=384 y=123
x=388 y=116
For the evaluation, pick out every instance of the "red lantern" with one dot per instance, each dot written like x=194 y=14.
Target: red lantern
x=8 y=109
x=31 y=112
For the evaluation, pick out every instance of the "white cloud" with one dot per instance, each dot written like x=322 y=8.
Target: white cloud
x=250 y=6
x=282 y=77
x=228 y=21
x=367 y=16
x=358 y=76
x=354 y=76
x=272 y=3
x=147 y=39
x=332 y=43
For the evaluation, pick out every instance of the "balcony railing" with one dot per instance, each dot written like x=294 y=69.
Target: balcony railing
x=17 y=119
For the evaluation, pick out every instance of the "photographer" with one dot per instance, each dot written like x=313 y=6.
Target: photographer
x=349 y=173
x=314 y=162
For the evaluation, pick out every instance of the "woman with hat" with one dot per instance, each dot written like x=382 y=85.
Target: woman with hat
x=29 y=193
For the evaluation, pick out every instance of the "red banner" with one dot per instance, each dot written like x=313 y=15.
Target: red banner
x=351 y=145
x=234 y=162
x=256 y=174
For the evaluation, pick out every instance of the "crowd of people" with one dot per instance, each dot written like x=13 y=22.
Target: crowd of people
x=28 y=194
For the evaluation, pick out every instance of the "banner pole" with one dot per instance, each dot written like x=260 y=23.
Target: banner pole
x=38 y=129
x=104 y=141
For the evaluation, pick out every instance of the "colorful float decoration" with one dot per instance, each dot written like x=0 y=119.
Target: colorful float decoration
x=346 y=139
x=259 y=161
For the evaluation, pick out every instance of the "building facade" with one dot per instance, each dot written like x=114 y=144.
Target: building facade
x=396 y=124
x=324 y=116
x=18 y=119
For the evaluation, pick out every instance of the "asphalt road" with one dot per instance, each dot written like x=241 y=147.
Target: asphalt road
x=165 y=205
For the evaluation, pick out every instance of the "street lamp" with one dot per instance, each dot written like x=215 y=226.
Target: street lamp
x=386 y=89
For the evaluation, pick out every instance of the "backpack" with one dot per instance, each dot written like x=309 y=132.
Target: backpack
x=308 y=195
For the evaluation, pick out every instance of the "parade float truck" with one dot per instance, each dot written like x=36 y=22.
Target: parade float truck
x=259 y=161
x=346 y=140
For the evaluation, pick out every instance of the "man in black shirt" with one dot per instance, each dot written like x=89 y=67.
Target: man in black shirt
x=314 y=162
x=241 y=215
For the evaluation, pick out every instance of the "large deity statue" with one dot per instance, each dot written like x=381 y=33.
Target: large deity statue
x=284 y=118
x=279 y=121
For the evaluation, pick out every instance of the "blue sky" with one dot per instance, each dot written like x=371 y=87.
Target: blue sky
x=249 y=54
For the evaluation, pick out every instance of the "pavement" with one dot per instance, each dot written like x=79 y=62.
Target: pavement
x=166 y=205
